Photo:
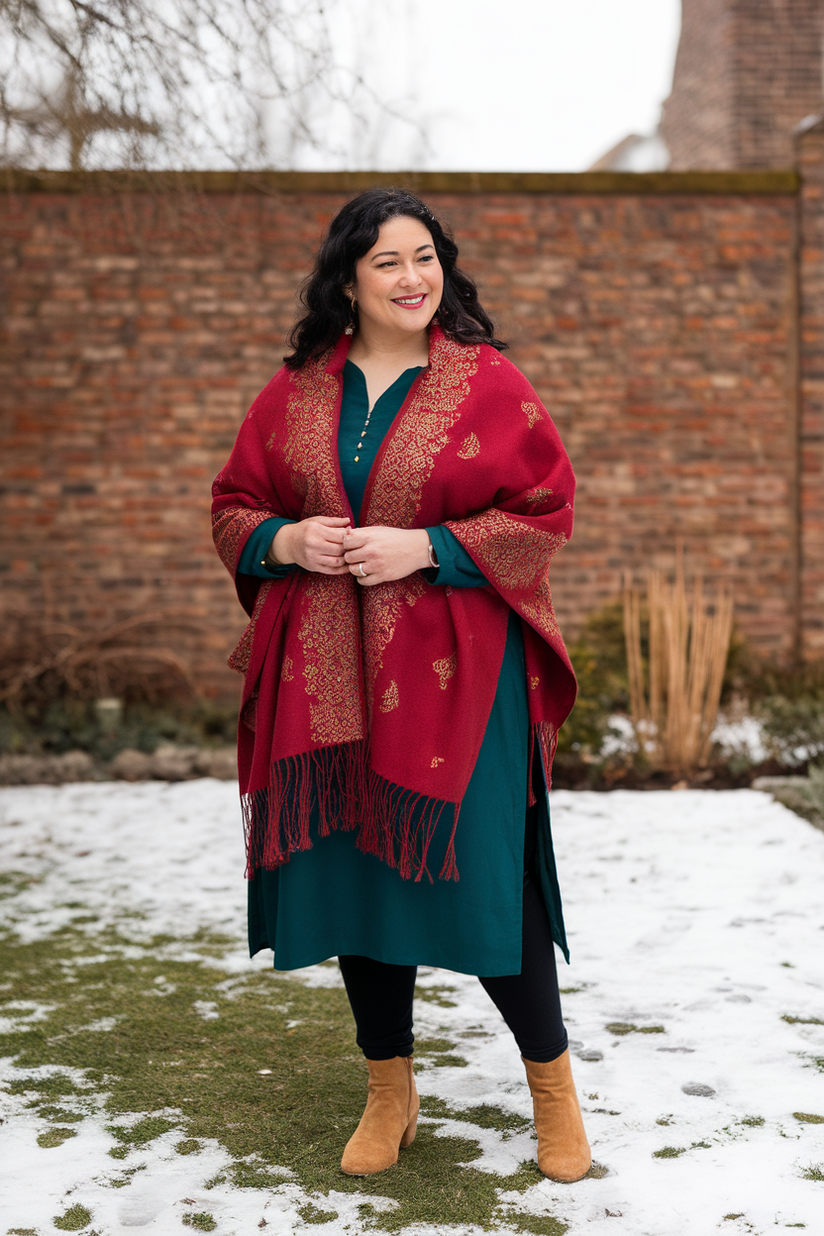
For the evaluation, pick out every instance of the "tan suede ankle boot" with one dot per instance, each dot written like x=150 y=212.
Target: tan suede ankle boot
x=563 y=1149
x=389 y=1121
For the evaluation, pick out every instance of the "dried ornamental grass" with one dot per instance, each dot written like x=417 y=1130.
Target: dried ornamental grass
x=674 y=701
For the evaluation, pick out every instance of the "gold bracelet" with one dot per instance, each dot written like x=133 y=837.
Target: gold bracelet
x=433 y=560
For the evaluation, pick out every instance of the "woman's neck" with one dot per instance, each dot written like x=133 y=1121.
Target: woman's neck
x=382 y=360
x=376 y=350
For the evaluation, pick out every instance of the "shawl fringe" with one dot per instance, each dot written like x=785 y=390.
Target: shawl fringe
x=335 y=787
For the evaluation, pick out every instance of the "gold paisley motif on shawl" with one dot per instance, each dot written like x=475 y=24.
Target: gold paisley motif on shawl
x=286 y=674
x=533 y=412
x=515 y=556
x=445 y=669
x=329 y=638
x=242 y=654
x=382 y=607
x=229 y=526
x=391 y=697
x=538 y=495
x=309 y=449
x=469 y=447
x=421 y=434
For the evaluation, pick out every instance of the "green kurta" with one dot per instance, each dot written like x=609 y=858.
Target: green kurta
x=333 y=899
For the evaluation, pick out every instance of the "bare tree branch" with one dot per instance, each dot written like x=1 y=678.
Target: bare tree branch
x=172 y=83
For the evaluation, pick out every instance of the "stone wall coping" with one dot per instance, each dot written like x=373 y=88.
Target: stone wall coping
x=757 y=181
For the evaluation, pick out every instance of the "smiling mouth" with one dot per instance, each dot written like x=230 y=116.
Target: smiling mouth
x=410 y=302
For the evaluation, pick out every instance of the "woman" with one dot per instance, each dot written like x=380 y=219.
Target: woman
x=388 y=514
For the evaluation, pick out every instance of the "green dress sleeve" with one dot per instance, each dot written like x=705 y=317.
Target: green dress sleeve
x=253 y=557
x=455 y=566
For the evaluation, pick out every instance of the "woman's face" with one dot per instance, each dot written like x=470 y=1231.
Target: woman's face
x=399 y=282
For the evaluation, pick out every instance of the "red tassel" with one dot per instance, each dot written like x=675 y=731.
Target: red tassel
x=449 y=870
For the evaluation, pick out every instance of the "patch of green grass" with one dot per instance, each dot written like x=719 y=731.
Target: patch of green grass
x=47 y=1112
x=53 y=1086
x=293 y=1123
x=484 y=1116
x=438 y=1052
x=74 y=1220
x=312 y=1214
x=437 y=995
x=142 y=1132
x=189 y=1145
x=741 y=1216
x=808 y=1118
x=540 y=1225
x=55 y=1137
x=752 y=1122
x=424 y=1047
x=672 y=1152
x=201 y=1220
x=628 y=1027
x=802 y=1021
x=813 y=1172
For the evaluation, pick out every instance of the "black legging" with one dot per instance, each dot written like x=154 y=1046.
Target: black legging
x=381 y=994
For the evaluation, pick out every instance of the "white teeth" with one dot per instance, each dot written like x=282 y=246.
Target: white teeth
x=409 y=300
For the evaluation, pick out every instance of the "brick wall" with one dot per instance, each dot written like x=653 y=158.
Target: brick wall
x=746 y=72
x=810 y=154
x=654 y=314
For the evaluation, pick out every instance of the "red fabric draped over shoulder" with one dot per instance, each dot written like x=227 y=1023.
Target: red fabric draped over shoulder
x=368 y=706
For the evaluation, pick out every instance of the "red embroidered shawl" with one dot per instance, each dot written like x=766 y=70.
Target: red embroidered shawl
x=369 y=705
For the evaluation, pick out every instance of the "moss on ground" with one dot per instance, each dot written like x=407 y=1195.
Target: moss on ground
x=74 y=1219
x=628 y=1027
x=123 y=1032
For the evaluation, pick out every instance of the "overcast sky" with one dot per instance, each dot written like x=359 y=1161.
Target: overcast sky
x=509 y=85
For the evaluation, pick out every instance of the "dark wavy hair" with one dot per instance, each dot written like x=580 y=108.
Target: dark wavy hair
x=352 y=233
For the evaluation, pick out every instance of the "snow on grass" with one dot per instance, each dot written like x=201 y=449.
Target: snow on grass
x=695 y=1002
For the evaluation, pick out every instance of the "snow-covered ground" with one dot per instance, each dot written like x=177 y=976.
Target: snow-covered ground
x=698 y=911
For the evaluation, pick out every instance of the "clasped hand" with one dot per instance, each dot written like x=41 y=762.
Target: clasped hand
x=330 y=546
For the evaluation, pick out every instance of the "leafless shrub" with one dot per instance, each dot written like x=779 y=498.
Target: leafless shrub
x=48 y=661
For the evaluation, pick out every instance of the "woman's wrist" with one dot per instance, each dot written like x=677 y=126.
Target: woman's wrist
x=423 y=547
x=279 y=552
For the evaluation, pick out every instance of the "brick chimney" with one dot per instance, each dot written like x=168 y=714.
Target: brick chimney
x=746 y=73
